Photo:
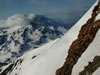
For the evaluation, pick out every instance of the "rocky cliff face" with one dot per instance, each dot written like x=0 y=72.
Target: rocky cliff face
x=78 y=47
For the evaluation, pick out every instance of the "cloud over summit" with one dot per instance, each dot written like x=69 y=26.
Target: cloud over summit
x=17 y=19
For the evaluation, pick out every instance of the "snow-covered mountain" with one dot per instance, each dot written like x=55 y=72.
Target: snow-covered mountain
x=79 y=46
x=20 y=33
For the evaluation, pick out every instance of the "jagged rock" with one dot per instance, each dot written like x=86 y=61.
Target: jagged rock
x=91 y=67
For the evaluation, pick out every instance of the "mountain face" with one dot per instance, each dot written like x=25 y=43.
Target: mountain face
x=80 y=46
x=25 y=32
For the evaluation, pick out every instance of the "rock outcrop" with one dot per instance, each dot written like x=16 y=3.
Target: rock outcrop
x=91 y=67
x=78 y=47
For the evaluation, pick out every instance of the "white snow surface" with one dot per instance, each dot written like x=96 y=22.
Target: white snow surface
x=52 y=56
x=98 y=17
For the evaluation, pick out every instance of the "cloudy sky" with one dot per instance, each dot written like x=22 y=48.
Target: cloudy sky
x=66 y=11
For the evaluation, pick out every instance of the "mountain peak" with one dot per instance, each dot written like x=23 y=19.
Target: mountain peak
x=26 y=32
x=79 y=48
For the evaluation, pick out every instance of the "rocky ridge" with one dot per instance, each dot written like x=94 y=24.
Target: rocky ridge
x=78 y=47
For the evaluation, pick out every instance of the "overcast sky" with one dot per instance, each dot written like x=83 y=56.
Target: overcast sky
x=67 y=11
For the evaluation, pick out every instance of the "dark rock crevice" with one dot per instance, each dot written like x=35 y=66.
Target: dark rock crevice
x=85 y=37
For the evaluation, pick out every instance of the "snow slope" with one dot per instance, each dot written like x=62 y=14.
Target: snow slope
x=46 y=60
